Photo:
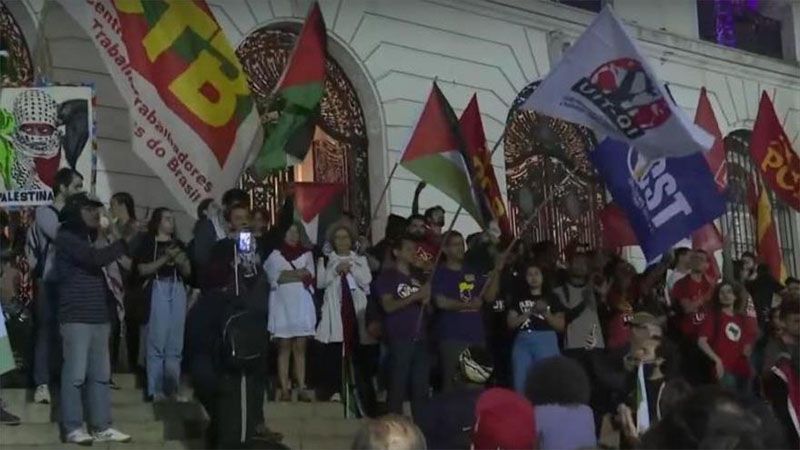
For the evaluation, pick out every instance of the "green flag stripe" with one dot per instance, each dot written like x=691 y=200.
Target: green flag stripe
x=441 y=172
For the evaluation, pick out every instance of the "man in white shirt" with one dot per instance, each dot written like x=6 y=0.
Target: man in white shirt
x=680 y=269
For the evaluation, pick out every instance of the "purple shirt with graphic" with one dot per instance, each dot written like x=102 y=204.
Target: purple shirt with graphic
x=400 y=325
x=463 y=285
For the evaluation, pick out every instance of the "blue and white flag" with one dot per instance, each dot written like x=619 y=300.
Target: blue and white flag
x=665 y=200
x=605 y=82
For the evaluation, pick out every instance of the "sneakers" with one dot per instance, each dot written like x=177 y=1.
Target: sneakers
x=79 y=437
x=41 y=395
x=6 y=418
x=110 y=435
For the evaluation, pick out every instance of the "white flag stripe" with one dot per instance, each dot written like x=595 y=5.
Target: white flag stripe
x=605 y=82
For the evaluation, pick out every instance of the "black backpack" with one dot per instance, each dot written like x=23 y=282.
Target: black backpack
x=245 y=340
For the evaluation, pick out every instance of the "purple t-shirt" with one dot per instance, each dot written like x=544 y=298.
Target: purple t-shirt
x=463 y=285
x=400 y=325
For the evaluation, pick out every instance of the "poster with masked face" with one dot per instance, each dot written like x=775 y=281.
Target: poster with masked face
x=43 y=129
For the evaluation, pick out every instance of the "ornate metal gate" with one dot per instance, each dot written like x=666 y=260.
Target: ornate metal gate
x=547 y=159
x=339 y=148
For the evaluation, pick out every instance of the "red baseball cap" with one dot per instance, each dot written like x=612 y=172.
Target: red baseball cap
x=504 y=420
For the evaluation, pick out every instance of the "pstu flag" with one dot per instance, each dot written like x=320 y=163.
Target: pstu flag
x=296 y=100
x=317 y=205
x=481 y=164
x=193 y=119
x=778 y=164
x=704 y=118
x=605 y=82
x=435 y=153
x=665 y=200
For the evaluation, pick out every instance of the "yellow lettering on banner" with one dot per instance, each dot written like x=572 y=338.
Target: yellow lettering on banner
x=206 y=69
x=179 y=16
x=129 y=6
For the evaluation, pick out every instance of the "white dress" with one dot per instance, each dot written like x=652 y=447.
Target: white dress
x=291 y=306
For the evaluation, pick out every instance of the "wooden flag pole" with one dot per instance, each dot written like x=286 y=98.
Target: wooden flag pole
x=383 y=191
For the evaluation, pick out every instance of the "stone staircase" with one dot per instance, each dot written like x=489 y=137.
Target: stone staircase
x=305 y=426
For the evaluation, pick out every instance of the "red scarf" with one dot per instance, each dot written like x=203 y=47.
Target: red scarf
x=292 y=252
x=349 y=324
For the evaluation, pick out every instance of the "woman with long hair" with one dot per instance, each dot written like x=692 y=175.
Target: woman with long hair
x=536 y=316
x=163 y=263
x=292 y=317
x=342 y=327
x=727 y=340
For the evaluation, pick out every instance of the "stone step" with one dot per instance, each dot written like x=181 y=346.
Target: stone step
x=167 y=445
x=49 y=434
x=319 y=427
x=288 y=410
x=134 y=412
x=18 y=397
x=319 y=443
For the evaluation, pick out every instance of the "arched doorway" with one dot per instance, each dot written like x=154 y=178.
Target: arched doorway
x=16 y=66
x=548 y=158
x=340 y=146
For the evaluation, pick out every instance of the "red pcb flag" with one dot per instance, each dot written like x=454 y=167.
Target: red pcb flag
x=770 y=149
x=617 y=231
x=193 y=120
x=481 y=163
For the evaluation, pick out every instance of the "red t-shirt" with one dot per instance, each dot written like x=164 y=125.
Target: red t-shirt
x=727 y=336
x=617 y=331
x=697 y=293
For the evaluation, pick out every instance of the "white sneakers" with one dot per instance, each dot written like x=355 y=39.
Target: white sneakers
x=41 y=395
x=81 y=437
x=110 y=435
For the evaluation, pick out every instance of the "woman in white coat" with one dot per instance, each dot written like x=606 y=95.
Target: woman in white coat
x=292 y=317
x=342 y=327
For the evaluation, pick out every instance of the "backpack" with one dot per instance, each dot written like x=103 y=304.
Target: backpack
x=245 y=340
x=37 y=245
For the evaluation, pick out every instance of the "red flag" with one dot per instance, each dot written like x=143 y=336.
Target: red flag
x=769 y=250
x=617 y=231
x=481 y=164
x=715 y=157
x=770 y=149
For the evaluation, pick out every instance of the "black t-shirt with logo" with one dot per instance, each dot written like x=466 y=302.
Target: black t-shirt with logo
x=524 y=302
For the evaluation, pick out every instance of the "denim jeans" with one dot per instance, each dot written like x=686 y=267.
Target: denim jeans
x=165 y=336
x=530 y=347
x=408 y=366
x=47 y=347
x=87 y=366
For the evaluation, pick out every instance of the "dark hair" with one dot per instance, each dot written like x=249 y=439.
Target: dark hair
x=126 y=200
x=155 y=220
x=737 y=292
x=711 y=417
x=390 y=432
x=233 y=207
x=674 y=392
x=558 y=380
x=234 y=195
x=789 y=307
x=397 y=244
x=202 y=207
x=395 y=226
x=679 y=252
x=750 y=255
x=413 y=217
x=63 y=178
x=791 y=280
x=430 y=211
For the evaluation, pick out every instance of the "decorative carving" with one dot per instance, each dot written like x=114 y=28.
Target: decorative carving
x=341 y=156
x=548 y=158
x=16 y=66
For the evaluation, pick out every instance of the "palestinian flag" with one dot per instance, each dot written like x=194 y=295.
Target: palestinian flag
x=6 y=356
x=318 y=205
x=296 y=99
x=642 y=403
x=435 y=153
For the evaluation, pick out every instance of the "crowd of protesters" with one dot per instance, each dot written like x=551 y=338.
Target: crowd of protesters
x=491 y=344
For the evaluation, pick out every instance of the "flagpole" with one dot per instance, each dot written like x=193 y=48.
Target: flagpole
x=436 y=263
x=383 y=192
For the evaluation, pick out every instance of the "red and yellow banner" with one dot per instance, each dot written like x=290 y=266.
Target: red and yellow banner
x=193 y=119
x=772 y=153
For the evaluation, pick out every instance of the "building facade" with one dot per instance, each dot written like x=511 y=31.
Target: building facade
x=386 y=53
